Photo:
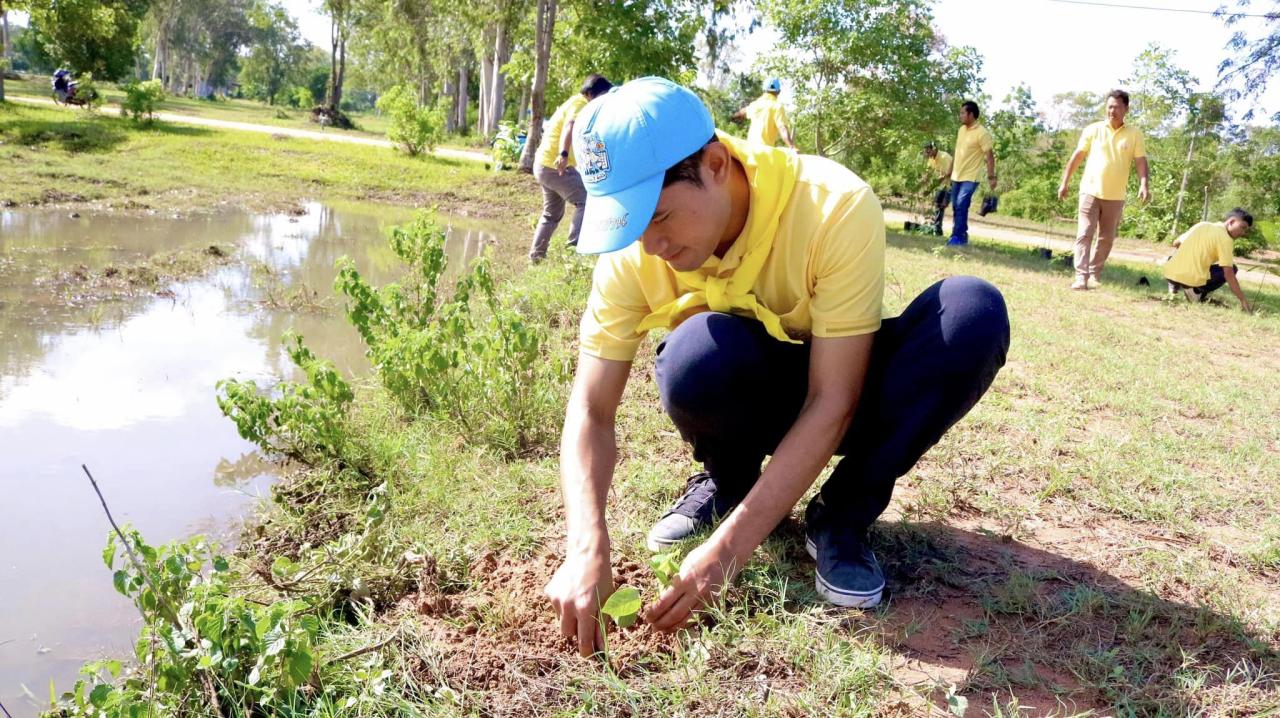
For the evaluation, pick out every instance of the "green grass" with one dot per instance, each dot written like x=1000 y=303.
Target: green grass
x=54 y=156
x=1096 y=538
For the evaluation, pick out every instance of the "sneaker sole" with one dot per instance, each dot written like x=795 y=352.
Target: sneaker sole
x=657 y=546
x=839 y=596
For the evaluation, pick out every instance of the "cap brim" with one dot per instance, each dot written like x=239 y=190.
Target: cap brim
x=611 y=222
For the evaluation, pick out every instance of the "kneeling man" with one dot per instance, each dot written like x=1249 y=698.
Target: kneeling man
x=767 y=267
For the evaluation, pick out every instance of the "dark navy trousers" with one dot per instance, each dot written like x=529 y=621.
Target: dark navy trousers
x=733 y=391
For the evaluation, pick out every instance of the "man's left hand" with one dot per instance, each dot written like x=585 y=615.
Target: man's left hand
x=1144 y=193
x=703 y=573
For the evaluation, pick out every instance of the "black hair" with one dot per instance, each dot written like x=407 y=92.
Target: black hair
x=688 y=169
x=972 y=108
x=931 y=145
x=1239 y=212
x=1120 y=95
x=595 y=86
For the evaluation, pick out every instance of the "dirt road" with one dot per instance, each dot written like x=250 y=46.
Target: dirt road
x=323 y=135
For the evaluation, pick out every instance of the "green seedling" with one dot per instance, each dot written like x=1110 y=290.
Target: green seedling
x=623 y=606
x=665 y=566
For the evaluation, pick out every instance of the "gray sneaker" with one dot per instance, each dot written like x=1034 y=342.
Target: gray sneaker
x=700 y=507
x=847 y=574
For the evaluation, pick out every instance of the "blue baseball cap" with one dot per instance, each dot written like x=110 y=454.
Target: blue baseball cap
x=625 y=141
x=773 y=84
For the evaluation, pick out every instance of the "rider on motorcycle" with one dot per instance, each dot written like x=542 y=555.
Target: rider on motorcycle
x=64 y=88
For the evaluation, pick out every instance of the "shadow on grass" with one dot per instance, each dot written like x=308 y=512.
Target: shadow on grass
x=1118 y=276
x=998 y=618
x=84 y=134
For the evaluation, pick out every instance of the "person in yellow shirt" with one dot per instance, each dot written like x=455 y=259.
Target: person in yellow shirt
x=768 y=117
x=766 y=268
x=1112 y=147
x=1204 y=258
x=939 y=167
x=554 y=168
x=973 y=145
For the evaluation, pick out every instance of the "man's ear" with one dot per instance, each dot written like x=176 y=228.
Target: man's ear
x=717 y=163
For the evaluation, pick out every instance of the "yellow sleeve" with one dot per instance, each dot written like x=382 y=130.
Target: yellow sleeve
x=1226 y=251
x=1086 y=140
x=615 y=308
x=848 y=269
x=1139 y=147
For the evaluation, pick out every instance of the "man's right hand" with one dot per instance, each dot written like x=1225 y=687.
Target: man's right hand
x=578 y=588
x=1062 y=191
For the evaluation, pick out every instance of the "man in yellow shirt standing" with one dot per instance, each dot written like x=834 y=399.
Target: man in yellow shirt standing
x=1112 y=146
x=1205 y=260
x=973 y=145
x=767 y=268
x=939 y=164
x=555 y=171
x=768 y=117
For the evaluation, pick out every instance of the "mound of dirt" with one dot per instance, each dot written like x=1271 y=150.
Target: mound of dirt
x=501 y=639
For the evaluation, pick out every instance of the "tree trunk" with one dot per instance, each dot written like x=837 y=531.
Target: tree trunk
x=486 y=79
x=1182 y=190
x=464 y=96
x=501 y=53
x=331 y=99
x=546 y=23
x=4 y=46
x=522 y=110
x=451 y=121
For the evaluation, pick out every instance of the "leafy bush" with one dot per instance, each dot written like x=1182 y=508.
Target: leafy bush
x=1035 y=199
x=506 y=147
x=141 y=98
x=301 y=97
x=483 y=370
x=87 y=92
x=415 y=128
x=306 y=422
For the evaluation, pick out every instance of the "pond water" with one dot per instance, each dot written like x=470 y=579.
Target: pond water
x=126 y=386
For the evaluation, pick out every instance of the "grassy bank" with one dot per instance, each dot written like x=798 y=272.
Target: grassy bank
x=1098 y=537
x=54 y=157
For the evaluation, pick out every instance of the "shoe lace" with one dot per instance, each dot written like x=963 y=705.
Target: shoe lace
x=699 y=489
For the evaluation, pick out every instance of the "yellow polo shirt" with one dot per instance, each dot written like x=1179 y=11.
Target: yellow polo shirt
x=767 y=115
x=940 y=163
x=1111 y=153
x=553 y=133
x=972 y=146
x=1205 y=244
x=824 y=276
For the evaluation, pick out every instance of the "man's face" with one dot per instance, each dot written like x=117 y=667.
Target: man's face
x=689 y=221
x=1237 y=227
x=930 y=152
x=965 y=117
x=1116 y=110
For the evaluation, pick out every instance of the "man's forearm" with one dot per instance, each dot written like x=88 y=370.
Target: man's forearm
x=801 y=456
x=1234 y=283
x=588 y=453
x=1072 y=164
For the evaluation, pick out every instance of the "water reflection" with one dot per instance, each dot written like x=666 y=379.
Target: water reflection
x=128 y=388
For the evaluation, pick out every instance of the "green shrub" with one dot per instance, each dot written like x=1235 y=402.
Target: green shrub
x=306 y=422
x=1036 y=199
x=141 y=98
x=87 y=92
x=483 y=369
x=413 y=127
x=506 y=147
x=300 y=97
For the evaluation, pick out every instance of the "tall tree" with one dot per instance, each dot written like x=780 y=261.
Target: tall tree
x=275 y=51
x=98 y=36
x=871 y=77
x=1255 y=60
x=544 y=33
x=342 y=16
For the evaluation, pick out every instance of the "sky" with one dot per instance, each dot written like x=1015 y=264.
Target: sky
x=1052 y=46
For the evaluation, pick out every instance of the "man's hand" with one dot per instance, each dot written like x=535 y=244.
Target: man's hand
x=991 y=180
x=1062 y=190
x=579 y=586
x=1144 y=192
x=703 y=573
x=1246 y=307
x=561 y=163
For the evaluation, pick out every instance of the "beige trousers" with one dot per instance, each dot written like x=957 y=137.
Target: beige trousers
x=1103 y=217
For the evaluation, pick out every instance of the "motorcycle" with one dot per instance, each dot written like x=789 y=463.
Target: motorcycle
x=66 y=91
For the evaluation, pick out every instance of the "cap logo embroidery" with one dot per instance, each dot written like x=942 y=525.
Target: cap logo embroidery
x=595 y=158
x=609 y=224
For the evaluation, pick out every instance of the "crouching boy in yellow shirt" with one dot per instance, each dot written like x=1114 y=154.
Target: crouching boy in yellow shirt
x=767 y=267
x=1204 y=258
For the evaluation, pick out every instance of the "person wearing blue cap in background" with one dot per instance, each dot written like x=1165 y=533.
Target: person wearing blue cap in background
x=767 y=267
x=768 y=117
x=555 y=171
